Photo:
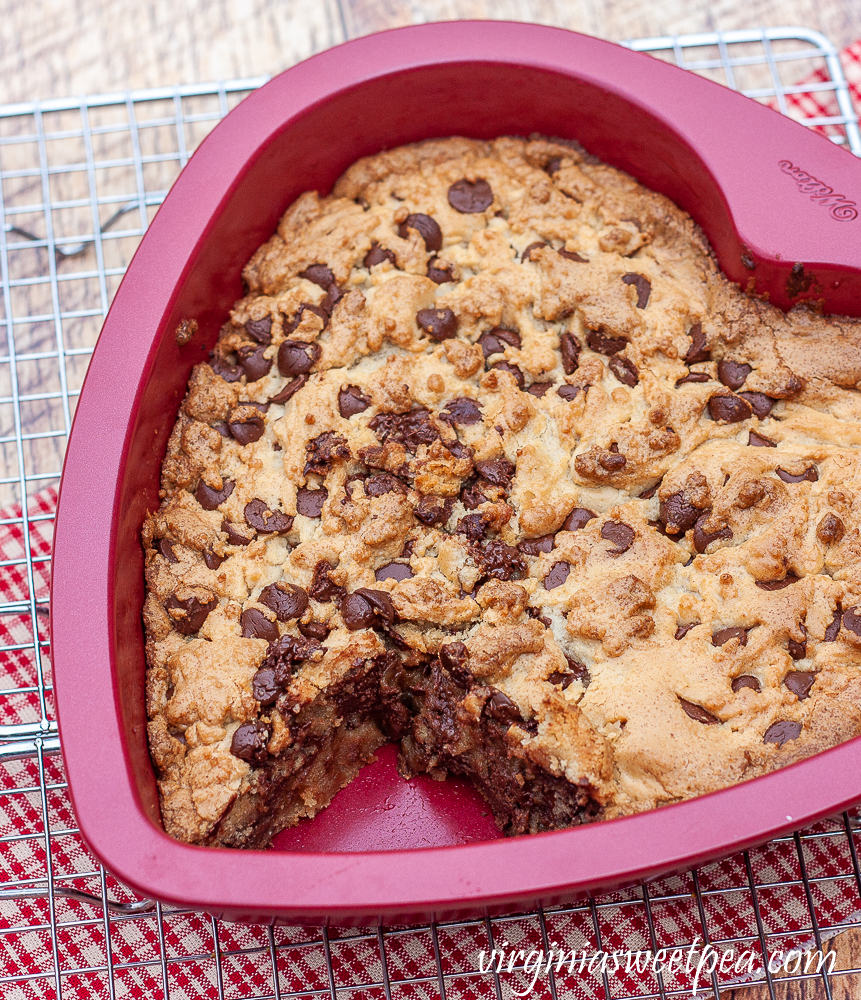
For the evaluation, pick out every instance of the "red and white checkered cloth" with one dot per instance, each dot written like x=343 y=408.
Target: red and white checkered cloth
x=239 y=962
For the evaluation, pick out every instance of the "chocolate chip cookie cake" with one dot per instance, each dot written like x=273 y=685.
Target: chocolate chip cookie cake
x=491 y=461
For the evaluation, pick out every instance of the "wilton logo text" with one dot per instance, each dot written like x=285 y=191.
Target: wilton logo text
x=841 y=207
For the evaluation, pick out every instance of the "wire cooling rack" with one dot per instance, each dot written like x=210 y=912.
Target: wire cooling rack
x=81 y=179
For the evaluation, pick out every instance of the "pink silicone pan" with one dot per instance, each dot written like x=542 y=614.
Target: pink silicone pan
x=771 y=197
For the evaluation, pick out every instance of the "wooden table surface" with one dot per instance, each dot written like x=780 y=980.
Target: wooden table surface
x=60 y=48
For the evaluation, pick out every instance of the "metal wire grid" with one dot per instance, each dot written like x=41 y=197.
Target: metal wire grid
x=80 y=181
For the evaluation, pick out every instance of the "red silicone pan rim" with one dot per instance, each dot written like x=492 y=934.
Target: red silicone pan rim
x=439 y=882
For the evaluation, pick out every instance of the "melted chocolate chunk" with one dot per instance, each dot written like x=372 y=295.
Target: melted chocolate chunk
x=727 y=409
x=809 y=475
x=698 y=351
x=683 y=630
x=318 y=311
x=295 y=357
x=314 y=630
x=426 y=227
x=284 y=655
x=212 y=560
x=513 y=370
x=222 y=427
x=253 y=363
x=733 y=373
x=352 y=401
x=454 y=656
x=694 y=377
x=539 y=388
x=433 y=510
x=557 y=575
x=249 y=742
x=758 y=402
x=309 y=503
x=620 y=534
x=569 y=347
x=723 y=636
x=409 y=429
x=760 y=441
x=782 y=732
x=833 y=630
x=393 y=571
x=323 y=451
x=438 y=324
x=789 y=579
x=439 y=275
x=470 y=197
x=703 y=538
x=462 y=410
x=165 y=550
x=259 y=516
x=497 y=471
x=495 y=341
x=571 y=255
x=578 y=518
x=248 y=429
x=255 y=625
x=497 y=560
x=605 y=345
x=852 y=620
x=800 y=682
x=500 y=707
x=624 y=370
x=643 y=286
x=366 y=608
x=698 y=713
x=322 y=588
x=264 y=687
x=677 y=513
x=223 y=369
x=377 y=254
x=260 y=330
x=319 y=274
x=535 y=546
x=797 y=650
x=289 y=390
x=746 y=681
x=527 y=253
x=568 y=392
x=332 y=297
x=286 y=599
x=473 y=526
x=378 y=486
x=210 y=499
x=234 y=536
x=187 y=616
x=830 y=529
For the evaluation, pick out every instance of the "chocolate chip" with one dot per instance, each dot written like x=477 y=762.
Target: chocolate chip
x=284 y=655
x=319 y=274
x=698 y=351
x=683 y=630
x=758 y=402
x=309 y=503
x=366 y=608
x=260 y=330
x=473 y=526
x=470 y=197
x=249 y=742
x=551 y=166
x=248 y=429
x=409 y=429
x=253 y=363
x=703 y=538
x=643 y=286
x=494 y=341
x=234 y=536
x=647 y=494
x=577 y=671
x=746 y=681
x=165 y=550
x=498 y=560
x=694 y=377
x=438 y=324
x=527 y=253
x=258 y=515
x=760 y=441
x=426 y=227
x=222 y=427
x=378 y=486
x=789 y=579
x=295 y=357
x=620 y=534
x=800 y=682
x=393 y=571
x=833 y=630
x=539 y=388
x=782 y=732
x=289 y=390
x=624 y=370
x=439 y=275
x=557 y=575
x=377 y=254
x=352 y=401
x=830 y=529
x=569 y=347
x=332 y=297
x=286 y=599
x=733 y=373
x=319 y=311
x=462 y=410
x=698 y=713
x=264 y=687
x=223 y=369
x=255 y=625
x=314 y=630
x=578 y=518
x=497 y=471
x=473 y=493
x=454 y=656
x=323 y=451
x=852 y=620
x=605 y=345
x=188 y=615
x=677 y=513
x=210 y=499
x=728 y=409
x=723 y=636
x=513 y=370
x=501 y=708
x=809 y=475
x=535 y=546
x=322 y=588
x=434 y=510
x=797 y=650
x=571 y=255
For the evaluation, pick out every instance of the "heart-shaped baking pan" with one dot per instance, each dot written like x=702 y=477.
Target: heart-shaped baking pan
x=779 y=205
